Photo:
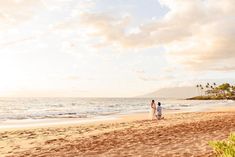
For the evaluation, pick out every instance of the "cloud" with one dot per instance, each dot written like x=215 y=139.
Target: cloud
x=108 y=27
x=156 y=78
x=17 y=41
x=144 y=76
x=198 y=34
x=16 y=11
x=139 y=71
x=211 y=47
x=224 y=68
x=73 y=78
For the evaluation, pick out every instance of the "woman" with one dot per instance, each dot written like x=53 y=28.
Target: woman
x=153 y=110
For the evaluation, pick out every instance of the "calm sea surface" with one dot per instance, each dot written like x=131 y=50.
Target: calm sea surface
x=46 y=108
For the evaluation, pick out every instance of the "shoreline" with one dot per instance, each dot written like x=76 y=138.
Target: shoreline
x=210 y=98
x=132 y=116
x=67 y=122
x=178 y=134
x=196 y=106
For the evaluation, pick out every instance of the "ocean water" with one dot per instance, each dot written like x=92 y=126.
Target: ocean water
x=52 y=108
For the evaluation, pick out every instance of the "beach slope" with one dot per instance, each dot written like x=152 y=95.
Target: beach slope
x=179 y=134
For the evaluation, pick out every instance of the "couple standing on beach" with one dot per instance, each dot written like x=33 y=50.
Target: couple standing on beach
x=156 y=111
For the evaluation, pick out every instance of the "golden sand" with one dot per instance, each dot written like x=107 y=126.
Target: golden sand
x=179 y=134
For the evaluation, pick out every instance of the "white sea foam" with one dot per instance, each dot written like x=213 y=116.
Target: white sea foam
x=52 y=108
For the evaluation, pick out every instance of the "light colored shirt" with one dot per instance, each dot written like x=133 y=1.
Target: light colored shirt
x=159 y=110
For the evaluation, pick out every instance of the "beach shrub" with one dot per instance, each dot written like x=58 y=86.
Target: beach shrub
x=224 y=148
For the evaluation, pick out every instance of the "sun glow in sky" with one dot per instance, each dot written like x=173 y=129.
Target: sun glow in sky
x=108 y=48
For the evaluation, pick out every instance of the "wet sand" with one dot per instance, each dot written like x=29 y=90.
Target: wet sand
x=178 y=134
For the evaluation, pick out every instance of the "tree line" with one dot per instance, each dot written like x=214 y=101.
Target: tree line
x=214 y=91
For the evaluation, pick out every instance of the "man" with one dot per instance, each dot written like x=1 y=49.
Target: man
x=159 y=111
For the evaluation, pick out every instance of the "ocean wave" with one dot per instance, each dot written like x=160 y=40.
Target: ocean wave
x=42 y=108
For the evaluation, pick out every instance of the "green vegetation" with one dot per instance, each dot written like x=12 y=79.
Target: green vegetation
x=224 y=148
x=214 y=92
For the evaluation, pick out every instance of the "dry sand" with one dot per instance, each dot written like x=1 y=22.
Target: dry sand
x=179 y=134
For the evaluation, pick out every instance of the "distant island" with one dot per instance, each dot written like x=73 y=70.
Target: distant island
x=214 y=92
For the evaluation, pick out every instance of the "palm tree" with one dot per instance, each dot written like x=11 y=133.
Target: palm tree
x=197 y=89
x=214 y=88
x=214 y=84
x=201 y=90
x=207 y=87
x=233 y=90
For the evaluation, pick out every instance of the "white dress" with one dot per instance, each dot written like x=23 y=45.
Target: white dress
x=152 y=114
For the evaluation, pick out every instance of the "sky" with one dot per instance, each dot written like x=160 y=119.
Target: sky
x=113 y=48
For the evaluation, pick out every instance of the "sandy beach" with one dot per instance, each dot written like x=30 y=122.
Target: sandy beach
x=117 y=78
x=179 y=134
